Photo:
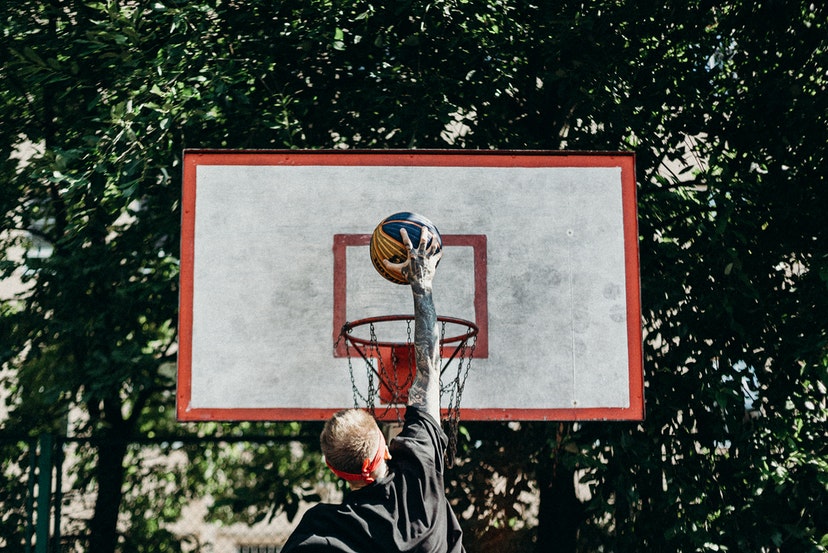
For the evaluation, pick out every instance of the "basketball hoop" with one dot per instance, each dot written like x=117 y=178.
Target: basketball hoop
x=390 y=364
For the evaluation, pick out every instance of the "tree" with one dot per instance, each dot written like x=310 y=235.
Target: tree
x=734 y=288
x=724 y=104
x=95 y=326
x=94 y=330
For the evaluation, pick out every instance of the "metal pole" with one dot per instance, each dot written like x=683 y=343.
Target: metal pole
x=30 y=501
x=56 y=537
x=44 y=492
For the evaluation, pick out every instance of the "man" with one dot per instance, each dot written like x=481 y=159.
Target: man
x=397 y=500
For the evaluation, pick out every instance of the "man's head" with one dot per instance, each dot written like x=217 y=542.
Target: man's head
x=353 y=446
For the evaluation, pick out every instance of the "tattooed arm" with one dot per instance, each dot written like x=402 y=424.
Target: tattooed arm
x=419 y=269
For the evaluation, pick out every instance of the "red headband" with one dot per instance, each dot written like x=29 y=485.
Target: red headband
x=367 y=466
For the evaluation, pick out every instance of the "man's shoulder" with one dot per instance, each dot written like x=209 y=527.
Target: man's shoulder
x=317 y=517
x=321 y=511
x=353 y=526
x=314 y=529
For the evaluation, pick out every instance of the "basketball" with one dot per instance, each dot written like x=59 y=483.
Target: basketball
x=387 y=243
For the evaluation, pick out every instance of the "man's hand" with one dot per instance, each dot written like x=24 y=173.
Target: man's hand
x=419 y=269
x=421 y=264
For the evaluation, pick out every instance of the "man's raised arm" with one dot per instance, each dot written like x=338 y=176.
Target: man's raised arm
x=419 y=269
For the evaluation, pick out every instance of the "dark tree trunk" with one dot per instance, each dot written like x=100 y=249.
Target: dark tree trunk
x=103 y=528
x=560 y=513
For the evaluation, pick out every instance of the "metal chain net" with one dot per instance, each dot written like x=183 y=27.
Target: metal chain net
x=397 y=384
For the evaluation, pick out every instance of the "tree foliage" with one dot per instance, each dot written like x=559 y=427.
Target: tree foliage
x=724 y=104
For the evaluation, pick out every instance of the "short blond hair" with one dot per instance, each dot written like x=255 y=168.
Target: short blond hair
x=349 y=438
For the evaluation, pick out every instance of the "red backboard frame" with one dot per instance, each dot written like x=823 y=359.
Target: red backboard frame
x=196 y=158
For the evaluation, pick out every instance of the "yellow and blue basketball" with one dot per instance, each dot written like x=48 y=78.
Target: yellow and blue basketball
x=386 y=242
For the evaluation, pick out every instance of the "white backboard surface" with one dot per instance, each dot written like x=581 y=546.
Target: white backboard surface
x=540 y=251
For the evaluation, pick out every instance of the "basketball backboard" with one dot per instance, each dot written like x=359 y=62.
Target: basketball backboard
x=539 y=251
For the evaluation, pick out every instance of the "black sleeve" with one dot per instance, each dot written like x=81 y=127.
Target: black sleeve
x=423 y=438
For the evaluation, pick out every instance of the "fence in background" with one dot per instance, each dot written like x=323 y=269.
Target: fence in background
x=40 y=512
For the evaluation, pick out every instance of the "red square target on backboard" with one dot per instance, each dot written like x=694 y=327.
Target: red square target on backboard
x=539 y=253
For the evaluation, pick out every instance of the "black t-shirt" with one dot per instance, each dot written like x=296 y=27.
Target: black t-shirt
x=406 y=510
